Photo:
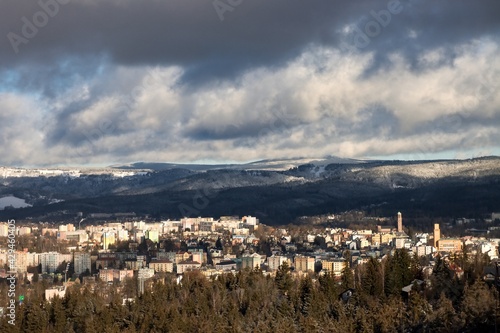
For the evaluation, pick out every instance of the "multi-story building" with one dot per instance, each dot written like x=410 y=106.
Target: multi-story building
x=24 y=231
x=142 y=275
x=153 y=235
x=166 y=255
x=82 y=262
x=334 y=266
x=123 y=235
x=199 y=256
x=250 y=220
x=111 y=275
x=226 y=265
x=187 y=265
x=182 y=256
x=136 y=264
x=304 y=264
x=106 y=275
x=171 y=226
x=21 y=261
x=422 y=250
x=49 y=231
x=362 y=242
x=206 y=226
x=449 y=245
x=107 y=260
x=162 y=265
x=124 y=274
x=67 y=227
x=4 y=229
x=51 y=260
x=80 y=236
x=138 y=235
x=250 y=261
x=3 y=258
x=274 y=262
x=50 y=293
x=108 y=238
x=402 y=242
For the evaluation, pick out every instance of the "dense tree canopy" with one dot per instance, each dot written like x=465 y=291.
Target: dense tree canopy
x=250 y=301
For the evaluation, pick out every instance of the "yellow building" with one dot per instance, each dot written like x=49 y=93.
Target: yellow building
x=449 y=245
x=304 y=264
x=108 y=238
x=333 y=266
x=382 y=238
x=437 y=234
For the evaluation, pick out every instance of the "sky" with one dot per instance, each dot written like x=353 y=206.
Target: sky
x=100 y=82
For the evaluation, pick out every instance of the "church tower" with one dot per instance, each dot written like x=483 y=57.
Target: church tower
x=400 y=222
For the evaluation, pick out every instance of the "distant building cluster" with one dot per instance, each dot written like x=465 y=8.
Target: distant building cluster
x=117 y=251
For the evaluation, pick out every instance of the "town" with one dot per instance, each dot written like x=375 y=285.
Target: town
x=131 y=254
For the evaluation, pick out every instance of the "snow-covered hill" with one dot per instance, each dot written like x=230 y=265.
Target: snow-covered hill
x=45 y=186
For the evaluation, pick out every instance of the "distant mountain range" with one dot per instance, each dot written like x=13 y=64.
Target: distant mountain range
x=273 y=164
x=277 y=191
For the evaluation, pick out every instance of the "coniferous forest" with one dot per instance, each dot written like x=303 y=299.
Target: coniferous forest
x=366 y=299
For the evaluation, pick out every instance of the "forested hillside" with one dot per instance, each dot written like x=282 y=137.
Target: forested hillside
x=250 y=301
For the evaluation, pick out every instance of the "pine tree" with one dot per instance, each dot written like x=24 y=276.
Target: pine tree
x=397 y=272
x=57 y=316
x=35 y=319
x=371 y=280
x=283 y=278
x=306 y=290
x=478 y=307
x=444 y=318
x=347 y=276
x=418 y=311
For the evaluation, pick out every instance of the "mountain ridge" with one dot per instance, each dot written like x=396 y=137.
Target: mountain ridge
x=299 y=190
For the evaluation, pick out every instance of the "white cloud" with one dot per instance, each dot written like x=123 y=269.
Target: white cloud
x=321 y=103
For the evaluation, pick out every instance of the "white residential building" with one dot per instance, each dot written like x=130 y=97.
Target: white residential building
x=51 y=260
x=82 y=262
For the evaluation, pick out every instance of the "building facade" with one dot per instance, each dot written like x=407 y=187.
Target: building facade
x=81 y=262
x=304 y=264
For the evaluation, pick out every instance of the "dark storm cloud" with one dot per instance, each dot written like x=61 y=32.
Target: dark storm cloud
x=62 y=126
x=52 y=79
x=421 y=26
x=130 y=80
x=255 y=33
x=180 y=32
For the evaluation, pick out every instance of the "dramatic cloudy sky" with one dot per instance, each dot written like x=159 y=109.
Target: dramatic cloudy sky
x=97 y=82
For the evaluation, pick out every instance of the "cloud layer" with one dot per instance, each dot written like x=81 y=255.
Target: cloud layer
x=102 y=82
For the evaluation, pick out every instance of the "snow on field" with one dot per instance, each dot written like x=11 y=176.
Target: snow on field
x=12 y=201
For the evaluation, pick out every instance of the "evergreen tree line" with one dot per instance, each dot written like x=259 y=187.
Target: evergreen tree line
x=250 y=301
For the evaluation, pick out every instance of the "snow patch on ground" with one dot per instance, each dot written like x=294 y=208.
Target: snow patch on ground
x=13 y=201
